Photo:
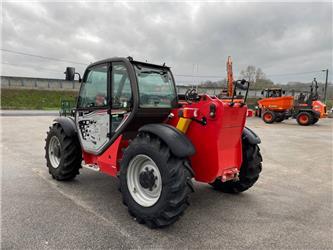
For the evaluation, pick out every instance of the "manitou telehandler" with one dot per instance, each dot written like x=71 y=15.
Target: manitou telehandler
x=275 y=106
x=130 y=123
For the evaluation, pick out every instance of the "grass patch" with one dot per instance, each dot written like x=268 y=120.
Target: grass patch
x=51 y=100
x=34 y=99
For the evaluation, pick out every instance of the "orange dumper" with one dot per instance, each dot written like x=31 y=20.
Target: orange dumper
x=306 y=109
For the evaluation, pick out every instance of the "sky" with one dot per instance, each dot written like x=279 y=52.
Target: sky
x=288 y=41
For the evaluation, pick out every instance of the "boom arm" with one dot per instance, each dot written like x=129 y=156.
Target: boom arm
x=230 y=79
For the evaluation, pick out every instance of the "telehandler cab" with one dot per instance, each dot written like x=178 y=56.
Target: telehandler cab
x=130 y=123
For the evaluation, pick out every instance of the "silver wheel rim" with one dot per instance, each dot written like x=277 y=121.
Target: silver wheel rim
x=144 y=196
x=54 y=151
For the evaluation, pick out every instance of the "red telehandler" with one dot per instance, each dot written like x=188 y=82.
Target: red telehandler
x=130 y=123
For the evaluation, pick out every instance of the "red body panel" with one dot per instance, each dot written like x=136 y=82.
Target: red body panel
x=108 y=161
x=218 y=144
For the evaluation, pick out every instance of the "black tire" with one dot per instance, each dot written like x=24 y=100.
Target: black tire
x=176 y=175
x=268 y=117
x=315 y=120
x=249 y=171
x=304 y=118
x=70 y=154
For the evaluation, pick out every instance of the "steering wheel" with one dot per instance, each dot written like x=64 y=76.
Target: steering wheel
x=191 y=95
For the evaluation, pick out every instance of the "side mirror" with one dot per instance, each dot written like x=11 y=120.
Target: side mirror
x=262 y=92
x=284 y=92
x=70 y=74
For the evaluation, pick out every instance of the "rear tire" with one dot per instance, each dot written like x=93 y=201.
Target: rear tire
x=165 y=206
x=249 y=171
x=268 y=117
x=62 y=153
x=304 y=118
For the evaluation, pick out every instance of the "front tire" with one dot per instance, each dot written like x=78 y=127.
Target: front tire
x=268 y=117
x=249 y=171
x=62 y=154
x=155 y=184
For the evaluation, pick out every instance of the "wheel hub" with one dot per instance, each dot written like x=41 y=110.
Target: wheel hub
x=144 y=180
x=304 y=118
x=54 y=151
x=268 y=116
x=147 y=179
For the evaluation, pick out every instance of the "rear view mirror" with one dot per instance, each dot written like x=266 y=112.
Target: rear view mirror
x=70 y=74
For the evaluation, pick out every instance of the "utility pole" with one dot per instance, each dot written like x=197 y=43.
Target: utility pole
x=326 y=82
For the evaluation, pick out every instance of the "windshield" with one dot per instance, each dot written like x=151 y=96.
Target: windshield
x=156 y=87
x=93 y=92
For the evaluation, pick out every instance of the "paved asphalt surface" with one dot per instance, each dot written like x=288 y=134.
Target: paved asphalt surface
x=290 y=206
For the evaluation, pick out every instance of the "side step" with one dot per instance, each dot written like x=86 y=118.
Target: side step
x=92 y=167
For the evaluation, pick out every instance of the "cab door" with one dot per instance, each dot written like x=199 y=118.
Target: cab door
x=92 y=116
x=121 y=96
x=104 y=104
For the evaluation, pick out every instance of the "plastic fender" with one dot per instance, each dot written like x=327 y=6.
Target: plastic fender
x=249 y=136
x=178 y=142
x=68 y=125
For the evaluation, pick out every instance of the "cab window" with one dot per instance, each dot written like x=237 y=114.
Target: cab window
x=156 y=87
x=121 y=87
x=93 y=92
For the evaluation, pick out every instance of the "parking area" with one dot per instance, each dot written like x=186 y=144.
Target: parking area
x=289 y=207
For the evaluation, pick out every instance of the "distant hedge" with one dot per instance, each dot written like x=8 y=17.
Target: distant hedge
x=34 y=99
x=46 y=99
